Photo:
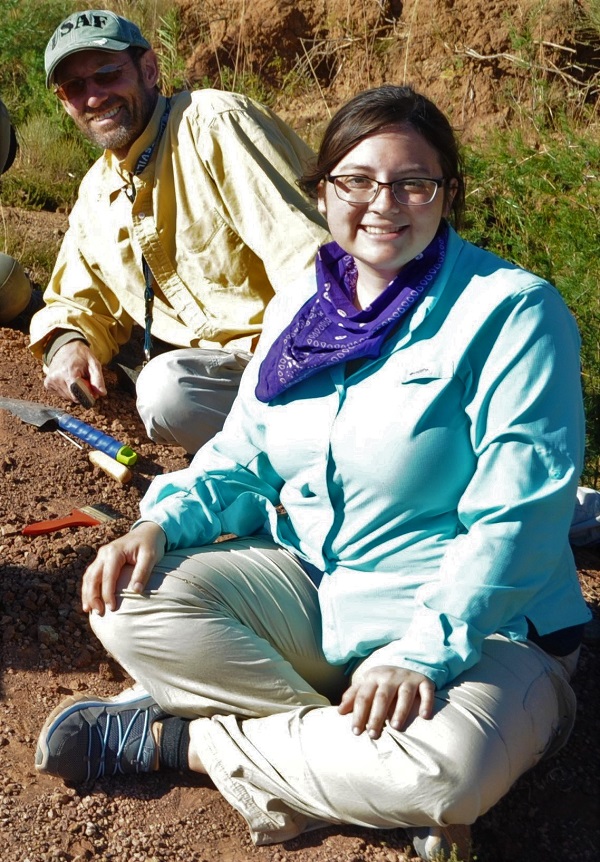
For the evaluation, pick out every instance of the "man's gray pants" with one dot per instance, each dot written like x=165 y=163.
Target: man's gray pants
x=185 y=395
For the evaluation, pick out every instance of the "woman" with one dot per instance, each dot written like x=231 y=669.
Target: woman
x=390 y=644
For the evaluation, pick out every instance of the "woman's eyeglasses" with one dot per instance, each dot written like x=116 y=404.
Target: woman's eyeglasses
x=76 y=87
x=412 y=191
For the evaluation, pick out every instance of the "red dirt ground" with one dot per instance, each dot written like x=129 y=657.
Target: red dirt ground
x=49 y=652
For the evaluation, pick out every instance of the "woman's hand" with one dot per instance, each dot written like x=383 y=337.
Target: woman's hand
x=142 y=548
x=387 y=692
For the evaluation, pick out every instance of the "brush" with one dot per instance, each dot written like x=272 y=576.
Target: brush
x=86 y=516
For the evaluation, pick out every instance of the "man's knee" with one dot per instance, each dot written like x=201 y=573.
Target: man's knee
x=157 y=386
x=184 y=396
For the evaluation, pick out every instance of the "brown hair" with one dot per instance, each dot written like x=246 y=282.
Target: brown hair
x=373 y=110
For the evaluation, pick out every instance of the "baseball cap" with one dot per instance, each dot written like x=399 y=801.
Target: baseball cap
x=92 y=30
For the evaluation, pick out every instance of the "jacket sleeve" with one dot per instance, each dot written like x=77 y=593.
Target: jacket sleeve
x=230 y=486
x=197 y=505
x=527 y=431
x=254 y=160
x=76 y=298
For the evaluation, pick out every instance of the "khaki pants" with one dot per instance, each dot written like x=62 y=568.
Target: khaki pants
x=230 y=634
x=185 y=395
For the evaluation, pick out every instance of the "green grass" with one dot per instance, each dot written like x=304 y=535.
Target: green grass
x=52 y=156
x=51 y=164
x=536 y=202
x=25 y=28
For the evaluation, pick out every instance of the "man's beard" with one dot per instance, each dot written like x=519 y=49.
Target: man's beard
x=134 y=119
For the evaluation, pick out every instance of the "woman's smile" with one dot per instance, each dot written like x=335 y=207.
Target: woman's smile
x=384 y=235
x=386 y=230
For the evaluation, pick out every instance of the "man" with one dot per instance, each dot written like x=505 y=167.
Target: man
x=186 y=225
x=15 y=287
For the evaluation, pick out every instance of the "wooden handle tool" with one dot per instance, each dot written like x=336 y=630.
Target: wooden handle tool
x=113 y=468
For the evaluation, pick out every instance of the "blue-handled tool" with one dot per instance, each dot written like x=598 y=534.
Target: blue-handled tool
x=41 y=415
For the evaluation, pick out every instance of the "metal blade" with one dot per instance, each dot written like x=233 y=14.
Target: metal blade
x=30 y=412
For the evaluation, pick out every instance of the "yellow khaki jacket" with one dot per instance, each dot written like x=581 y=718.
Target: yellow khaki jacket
x=216 y=214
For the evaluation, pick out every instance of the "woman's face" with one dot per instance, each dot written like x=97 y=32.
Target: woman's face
x=384 y=235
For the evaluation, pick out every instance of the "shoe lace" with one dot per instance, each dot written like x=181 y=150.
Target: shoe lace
x=112 y=740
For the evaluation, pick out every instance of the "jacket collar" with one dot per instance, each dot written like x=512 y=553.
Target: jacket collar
x=123 y=168
x=433 y=296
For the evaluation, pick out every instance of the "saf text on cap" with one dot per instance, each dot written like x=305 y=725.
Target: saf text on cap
x=95 y=29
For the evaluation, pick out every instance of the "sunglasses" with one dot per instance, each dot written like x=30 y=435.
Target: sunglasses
x=76 y=87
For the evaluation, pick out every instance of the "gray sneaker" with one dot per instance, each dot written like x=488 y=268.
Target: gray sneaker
x=438 y=843
x=85 y=738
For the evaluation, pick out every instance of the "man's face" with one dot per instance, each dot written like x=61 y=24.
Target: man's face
x=113 y=112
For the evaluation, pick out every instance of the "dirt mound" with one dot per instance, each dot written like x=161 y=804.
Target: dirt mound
x=476 y=60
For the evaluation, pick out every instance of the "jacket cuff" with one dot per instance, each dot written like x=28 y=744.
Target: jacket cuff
x=58 y=340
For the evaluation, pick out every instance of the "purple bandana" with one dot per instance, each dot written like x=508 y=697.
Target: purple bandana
x=329 y=329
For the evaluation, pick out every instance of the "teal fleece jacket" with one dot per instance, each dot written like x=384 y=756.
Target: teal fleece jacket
x=434 y=486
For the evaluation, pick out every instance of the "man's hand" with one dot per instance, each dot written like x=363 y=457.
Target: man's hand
x=387 y=692
x=74 y=360
x=138 y=551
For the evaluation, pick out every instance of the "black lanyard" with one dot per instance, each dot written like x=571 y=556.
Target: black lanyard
x=142 y=163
